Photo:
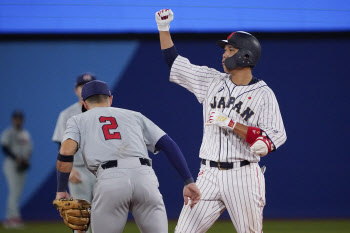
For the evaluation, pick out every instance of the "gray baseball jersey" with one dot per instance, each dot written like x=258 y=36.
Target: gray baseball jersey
x=95 y=129
x=72 y=110
x=252 y=105
x=18 y=141
x=104 y=134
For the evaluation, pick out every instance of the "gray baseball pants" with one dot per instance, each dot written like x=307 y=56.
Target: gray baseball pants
x=15 y=181
x=129 y=186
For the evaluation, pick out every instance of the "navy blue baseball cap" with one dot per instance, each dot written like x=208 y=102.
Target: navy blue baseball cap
x=84 y=78
x=17 y=114
x=95 y=87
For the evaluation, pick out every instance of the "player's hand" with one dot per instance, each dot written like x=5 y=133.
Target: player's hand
x=261 y=146
x=75 y=177
x=60 y=195
x=191 y=192
x=163 y=19
x=220 y=119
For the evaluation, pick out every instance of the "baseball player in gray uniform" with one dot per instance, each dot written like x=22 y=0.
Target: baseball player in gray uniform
x=81 y=180
x=17 y=147
x=114 y=144
x=242 y=122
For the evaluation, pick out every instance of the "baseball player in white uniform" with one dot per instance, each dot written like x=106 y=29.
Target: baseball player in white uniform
x=17 y=147
x=81 y=180
x=242 y=122
x=114 y=144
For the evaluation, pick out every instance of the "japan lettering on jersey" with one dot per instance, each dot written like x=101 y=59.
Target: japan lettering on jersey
x=107 y=133
x=252 y=105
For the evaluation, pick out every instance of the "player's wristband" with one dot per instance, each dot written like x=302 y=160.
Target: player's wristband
x=189 y=181
x=232 y=124
x=65 y=158
x=62 y=181
x=252 y=134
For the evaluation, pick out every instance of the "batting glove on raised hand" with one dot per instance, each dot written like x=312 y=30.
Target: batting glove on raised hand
x=261 y=146
x=220 y=119
x=163 y=19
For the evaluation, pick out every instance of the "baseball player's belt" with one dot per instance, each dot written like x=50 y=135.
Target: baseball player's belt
x=225 y=165
x=114 y=163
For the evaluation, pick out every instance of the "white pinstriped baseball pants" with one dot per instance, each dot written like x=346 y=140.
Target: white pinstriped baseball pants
x=240 y=190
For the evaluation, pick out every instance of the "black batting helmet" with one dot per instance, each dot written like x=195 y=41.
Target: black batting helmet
x=249 y=50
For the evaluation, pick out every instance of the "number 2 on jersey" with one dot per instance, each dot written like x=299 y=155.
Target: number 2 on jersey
x=106 y=127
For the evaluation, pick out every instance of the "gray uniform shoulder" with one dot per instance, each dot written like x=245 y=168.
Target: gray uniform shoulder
x=129 y=112
x=6 y=131
x=63 y=117
x=5 y=136
x=72 y=110
x=113 y=110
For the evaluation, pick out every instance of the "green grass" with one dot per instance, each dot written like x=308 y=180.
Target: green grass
x=270 y=226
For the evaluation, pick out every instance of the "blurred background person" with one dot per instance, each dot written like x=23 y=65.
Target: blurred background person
x=17 y=148
x=81 y=180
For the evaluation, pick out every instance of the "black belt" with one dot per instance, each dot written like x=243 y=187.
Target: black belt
x=224 y=165
x=114 y=163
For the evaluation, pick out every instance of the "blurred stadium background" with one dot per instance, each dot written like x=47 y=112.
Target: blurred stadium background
x=305 y=58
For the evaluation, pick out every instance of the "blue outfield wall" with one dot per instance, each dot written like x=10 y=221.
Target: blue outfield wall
x=306 y=177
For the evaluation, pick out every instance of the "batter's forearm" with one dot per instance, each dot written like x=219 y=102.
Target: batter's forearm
x=165 y=40
x=241 y=130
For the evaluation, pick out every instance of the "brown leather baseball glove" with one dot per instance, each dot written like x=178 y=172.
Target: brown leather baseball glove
x=75 y=213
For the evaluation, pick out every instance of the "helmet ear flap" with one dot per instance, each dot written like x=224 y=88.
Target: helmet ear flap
x=243 y=58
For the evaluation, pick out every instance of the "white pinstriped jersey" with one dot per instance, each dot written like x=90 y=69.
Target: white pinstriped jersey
x=107 y=133
x=252 y=105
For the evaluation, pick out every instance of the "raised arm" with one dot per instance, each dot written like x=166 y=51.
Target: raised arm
x=163 y=19
x=169 y=53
